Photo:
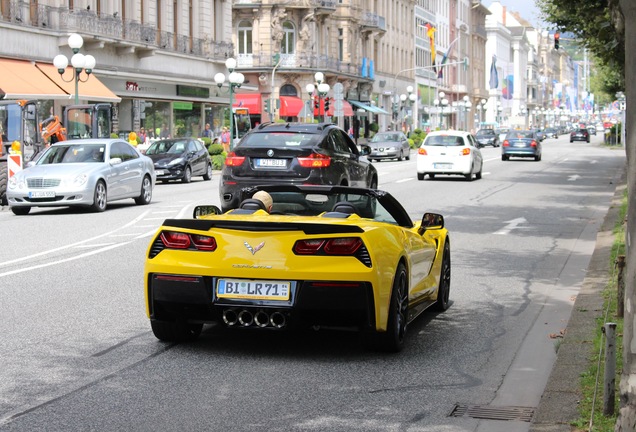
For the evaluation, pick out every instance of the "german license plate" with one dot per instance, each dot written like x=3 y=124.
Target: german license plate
x=253 y=289
x=442 y=165
x=520 y=144
x=42 y=194
x=271 y=163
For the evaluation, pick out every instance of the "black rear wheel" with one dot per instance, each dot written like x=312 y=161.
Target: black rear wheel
x=443 y=291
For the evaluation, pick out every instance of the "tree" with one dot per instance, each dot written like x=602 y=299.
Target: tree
x=608 y=29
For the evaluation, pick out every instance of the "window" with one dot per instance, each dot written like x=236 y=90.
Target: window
x=289 y=38
x=340 y=44
x=245 y=37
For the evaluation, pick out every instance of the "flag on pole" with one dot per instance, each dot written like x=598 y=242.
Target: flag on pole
x=494 y=75
x=430 y=32
x=440 y=73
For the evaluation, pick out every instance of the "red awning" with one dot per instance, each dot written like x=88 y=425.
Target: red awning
x=290 y=106
x=251 y=101
x=346 y=108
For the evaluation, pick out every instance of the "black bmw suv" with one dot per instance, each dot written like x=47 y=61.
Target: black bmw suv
x=294 y=154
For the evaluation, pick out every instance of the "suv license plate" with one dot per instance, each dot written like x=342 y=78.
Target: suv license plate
x=271 y=163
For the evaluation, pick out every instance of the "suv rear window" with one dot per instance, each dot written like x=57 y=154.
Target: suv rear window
x=278 y=139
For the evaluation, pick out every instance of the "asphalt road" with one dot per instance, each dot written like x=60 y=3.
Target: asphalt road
x=77 y=352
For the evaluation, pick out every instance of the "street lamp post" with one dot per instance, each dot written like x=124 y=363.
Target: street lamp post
x=235 y=79
x=481 y=106
x=407 y=101
x=466 y=105
x=320 y=89
x=81 y=63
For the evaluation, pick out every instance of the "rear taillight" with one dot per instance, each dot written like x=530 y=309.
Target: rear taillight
x=465 y=152
x=506 y=143
x=315 y=160
x=179 y=240
x=421 y=151
x=233 y=160
x=336 y=246
x=533 y=143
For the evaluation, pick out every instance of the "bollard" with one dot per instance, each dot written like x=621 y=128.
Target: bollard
x=609 y=379
x=620 y=287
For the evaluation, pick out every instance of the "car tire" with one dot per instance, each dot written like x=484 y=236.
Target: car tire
x=100 y=197
x=478 y=174
x=187 y=175
x=208 y=173
x=537 y=158
x=431 y=176
x=443 y=290
x=571 y=141
x=3 y=184
x=21 y=211
x=374 y=183
x=145 y=196
x=408 y=155
x=505 y=157
x=468 y=177
x=392 y=340
x=175 y=331
x=420 y=176
x=400 y=158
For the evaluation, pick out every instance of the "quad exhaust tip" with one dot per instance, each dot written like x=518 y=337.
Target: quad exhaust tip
x=246 y=318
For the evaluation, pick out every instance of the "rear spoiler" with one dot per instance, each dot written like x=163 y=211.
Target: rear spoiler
x=307 y=228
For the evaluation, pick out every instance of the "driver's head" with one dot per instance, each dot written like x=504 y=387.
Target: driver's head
x=265 y=198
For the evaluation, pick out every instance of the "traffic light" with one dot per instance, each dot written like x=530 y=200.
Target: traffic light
x=268 y=105
x=327 y=100
x=317 y=102
x=556 y=40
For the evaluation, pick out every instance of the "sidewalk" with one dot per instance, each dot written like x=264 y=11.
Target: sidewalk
x=559 y=404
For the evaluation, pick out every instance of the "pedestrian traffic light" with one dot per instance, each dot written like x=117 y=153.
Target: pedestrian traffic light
x=327 y=101
x=557 y=36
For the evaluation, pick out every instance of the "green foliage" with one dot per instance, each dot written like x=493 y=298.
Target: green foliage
x=218 y=160
x=594 y=23
x=215 y=149
x=114 y=135
x=416 y=138
x=374 y=127
x=206 y=141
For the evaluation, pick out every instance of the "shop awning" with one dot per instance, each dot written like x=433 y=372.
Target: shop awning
x=251 y=101
x=93 y=89
x=346 y=108
x=367 y=107
x=20 y=79
x=290 y=106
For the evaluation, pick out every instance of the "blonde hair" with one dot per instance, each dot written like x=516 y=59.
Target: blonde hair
x=265 y=198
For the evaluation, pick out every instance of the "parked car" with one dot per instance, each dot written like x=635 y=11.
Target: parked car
x=294 y=154
x=180 y=159
x=540 y=134
x=580 y=135
x=389 y=145
x=333 y=257
x=449 y=153
x=552 y=132
x=521 y=143
x=87 y=172
x=487 y=137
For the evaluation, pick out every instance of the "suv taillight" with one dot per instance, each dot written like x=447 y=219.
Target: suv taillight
x=315 y=160
x=233 y=160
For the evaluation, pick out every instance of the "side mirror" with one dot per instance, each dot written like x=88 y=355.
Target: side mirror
x=365 y=150
x=432 y=221
x=115 y=161
x=204 y=210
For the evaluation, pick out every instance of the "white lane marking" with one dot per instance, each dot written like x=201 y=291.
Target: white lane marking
x=161 y=212
x=125 y=235
x=492 y=159
x=405 y=180
x=593 y=162
x=512 y=224
x=148 y=234
x=159 y=218
x=574 y=177
x=48 y=252
x=95 y=245
x=73 y=258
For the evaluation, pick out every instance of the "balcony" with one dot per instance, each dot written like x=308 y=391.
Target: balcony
x=127 y=36
x=307 y=62
x=480 y=30
x=371 y=22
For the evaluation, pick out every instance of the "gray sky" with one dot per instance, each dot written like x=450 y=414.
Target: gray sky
x=527 y=8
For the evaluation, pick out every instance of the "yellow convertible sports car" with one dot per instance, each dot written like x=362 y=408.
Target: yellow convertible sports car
x=324 y=256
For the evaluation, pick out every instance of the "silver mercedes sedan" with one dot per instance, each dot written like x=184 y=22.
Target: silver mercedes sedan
x=88 y=173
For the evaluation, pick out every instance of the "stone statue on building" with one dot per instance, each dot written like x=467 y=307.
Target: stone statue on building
x=305 y=29
x=278 y=16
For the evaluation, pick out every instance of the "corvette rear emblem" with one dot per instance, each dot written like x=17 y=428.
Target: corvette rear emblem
x=252 y=249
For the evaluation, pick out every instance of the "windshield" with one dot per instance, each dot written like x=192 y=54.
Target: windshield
x=10 y=123
x=483 y=132
x=73 y=153
x=167 y=147
x=383 y=137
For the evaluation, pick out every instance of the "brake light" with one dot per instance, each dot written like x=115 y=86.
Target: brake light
x=179 y=240
x=342 y=246
x=421 y=151
x=204 y=243
x=308 y=247
x=465 y=152
x=336 y=246
x=175 y=240
x=315 y=160
x=533 y=143
x=233 y=160
x=506 y=143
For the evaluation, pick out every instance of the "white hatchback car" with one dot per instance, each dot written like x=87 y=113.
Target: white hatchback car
x=449 y=152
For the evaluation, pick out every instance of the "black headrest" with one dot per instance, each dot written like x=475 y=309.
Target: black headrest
x=252 y=204
x=344 y=207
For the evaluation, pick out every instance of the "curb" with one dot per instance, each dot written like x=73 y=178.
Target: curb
x=559 y=405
